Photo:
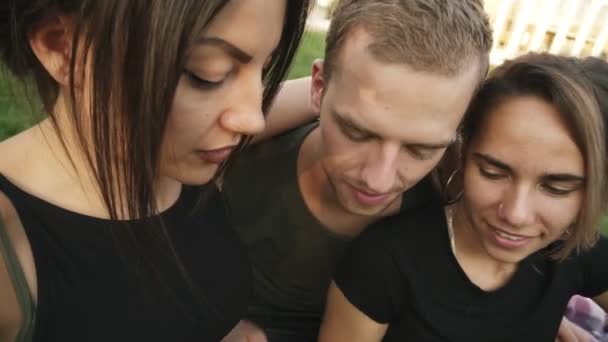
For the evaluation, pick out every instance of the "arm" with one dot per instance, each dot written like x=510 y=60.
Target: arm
x=291 y=108
x=344 y=322
x=245 y=331
x=11 y=316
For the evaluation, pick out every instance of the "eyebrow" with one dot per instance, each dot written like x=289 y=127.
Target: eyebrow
x=552 y=177
x=228 y=47
x=492 y=161
x=435 y=146
x=345 y=120
x=564 y=177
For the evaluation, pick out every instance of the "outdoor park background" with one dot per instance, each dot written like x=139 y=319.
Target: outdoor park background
x=569 y=27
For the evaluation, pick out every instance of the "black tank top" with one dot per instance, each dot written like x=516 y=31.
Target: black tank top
x=90 y=290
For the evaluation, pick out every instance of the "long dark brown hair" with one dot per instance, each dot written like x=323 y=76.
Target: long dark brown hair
x=135 y=51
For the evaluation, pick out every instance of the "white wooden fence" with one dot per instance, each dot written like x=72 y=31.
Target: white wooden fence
x=568 y=27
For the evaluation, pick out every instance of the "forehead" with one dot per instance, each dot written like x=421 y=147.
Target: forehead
x=253 y=26
x=529 y=133
x=396 y=101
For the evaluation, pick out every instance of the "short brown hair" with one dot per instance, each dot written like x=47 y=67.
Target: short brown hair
x=438 y=36
x=577 y=88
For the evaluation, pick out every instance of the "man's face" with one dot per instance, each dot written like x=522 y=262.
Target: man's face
x=384 y=126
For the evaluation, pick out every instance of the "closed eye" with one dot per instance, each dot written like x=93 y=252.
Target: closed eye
x=423 y=154
x=351 y=131
x=356 y=134
x=202 y=83
x=490 y=174
x=561 y=189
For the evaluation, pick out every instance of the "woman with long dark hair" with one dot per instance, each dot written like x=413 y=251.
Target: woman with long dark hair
x=105 y=234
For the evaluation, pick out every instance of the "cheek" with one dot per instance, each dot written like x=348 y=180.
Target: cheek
x=192 y=115
x=342 y=156
x=337 y=146
x=480 y=193
x=558 y=214
x=415 y=169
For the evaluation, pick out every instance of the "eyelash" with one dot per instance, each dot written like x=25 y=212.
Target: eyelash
x=422 y=155
x=490 y=175
x=556 y=191
x=202 y=83
x=354 y=134
x=546 y=187
x=358 y=136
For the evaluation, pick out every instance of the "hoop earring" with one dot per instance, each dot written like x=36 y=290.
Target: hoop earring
x=444 y=192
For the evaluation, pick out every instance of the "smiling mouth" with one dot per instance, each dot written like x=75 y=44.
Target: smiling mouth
x=510 y=236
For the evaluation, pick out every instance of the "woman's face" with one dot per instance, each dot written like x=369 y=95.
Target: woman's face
x=219 y=95
x=523 y=179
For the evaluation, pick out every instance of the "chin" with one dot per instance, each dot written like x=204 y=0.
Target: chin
x=196 y=176
x=506 y=257
x=364 y=211
x=351 y=205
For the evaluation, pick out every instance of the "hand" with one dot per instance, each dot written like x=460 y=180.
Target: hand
x=570 y=332
x=246 y=331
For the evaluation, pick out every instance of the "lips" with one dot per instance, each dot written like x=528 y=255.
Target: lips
x=509 y=236
x=367 y=198
x=509 y=240
x=216 y=156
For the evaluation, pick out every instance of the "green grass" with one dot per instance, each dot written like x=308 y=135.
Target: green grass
x=312 y=47
x=16 y=111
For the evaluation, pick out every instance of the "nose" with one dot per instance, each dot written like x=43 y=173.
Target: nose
x=516 y=208
x=245 y=116
x=380 y=169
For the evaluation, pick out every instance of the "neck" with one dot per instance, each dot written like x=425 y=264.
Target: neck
x=58 y=169
x=482 y=269
x=319 y=194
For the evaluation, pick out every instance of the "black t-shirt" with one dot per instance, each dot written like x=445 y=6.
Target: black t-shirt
x=92 y=289
x=293 y=255
x=402 y=271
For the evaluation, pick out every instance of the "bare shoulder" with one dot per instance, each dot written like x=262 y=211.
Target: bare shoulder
x=10 y=313
x=8 y=213
x=13 y=152
x=10 y=316
x=19 y=241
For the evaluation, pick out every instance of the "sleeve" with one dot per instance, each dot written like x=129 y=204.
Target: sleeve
x=594 y=267
x=369 y=276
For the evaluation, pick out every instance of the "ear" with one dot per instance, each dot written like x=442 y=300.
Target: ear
x=51 y=42
x=317 y=86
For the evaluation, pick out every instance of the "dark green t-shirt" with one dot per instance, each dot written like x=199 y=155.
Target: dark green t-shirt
x=293 y=255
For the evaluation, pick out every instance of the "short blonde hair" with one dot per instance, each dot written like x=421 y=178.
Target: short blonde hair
x=439 y=36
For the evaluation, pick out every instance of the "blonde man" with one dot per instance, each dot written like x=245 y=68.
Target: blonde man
x=396 y=81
